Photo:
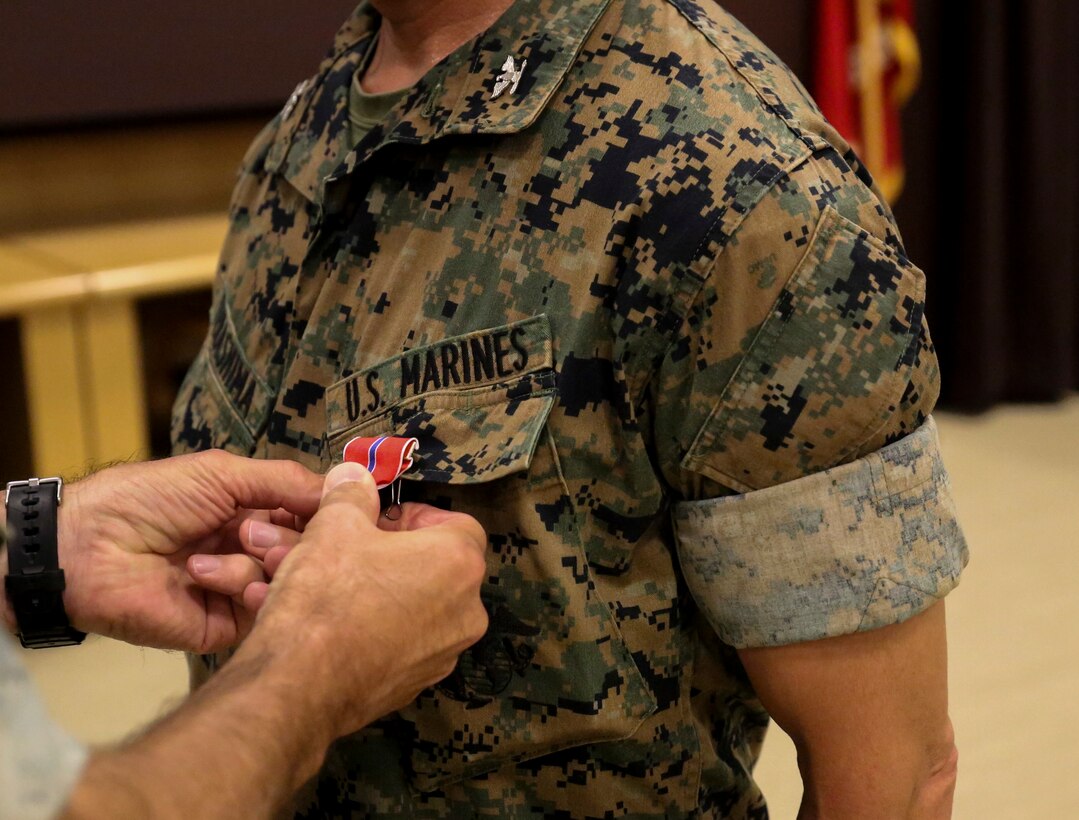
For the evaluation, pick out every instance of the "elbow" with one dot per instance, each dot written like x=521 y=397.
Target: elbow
x=916 y=785
x=934 y=794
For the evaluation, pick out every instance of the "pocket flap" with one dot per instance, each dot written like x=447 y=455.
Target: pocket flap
x=487 y=398
x=827 y=369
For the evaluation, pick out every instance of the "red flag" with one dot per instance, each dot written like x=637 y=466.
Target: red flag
x=867 y=66
x=387 y=458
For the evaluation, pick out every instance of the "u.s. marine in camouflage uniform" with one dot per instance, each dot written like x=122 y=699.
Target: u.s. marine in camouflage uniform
x=652 y=326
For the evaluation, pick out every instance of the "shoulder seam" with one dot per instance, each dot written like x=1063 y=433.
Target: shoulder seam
x=814 y=142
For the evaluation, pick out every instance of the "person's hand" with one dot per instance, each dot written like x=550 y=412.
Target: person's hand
x=126 y=533
x=374 y=615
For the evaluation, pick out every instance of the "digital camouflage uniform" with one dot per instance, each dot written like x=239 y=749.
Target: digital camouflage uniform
x=653 y=327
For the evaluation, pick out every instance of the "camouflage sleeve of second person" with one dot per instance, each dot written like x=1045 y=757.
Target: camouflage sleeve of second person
x=792 y=420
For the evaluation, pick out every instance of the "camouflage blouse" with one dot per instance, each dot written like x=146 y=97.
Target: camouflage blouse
x=653 y=325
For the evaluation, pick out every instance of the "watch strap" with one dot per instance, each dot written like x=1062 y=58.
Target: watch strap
x=35 y=583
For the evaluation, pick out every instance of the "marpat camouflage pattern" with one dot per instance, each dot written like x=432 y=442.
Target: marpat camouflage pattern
x=645 y=304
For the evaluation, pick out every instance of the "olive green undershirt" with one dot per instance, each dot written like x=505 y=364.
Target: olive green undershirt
x=365 y=110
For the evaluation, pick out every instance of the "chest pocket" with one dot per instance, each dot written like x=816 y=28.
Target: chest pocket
x=477 y=403
x=553 y=671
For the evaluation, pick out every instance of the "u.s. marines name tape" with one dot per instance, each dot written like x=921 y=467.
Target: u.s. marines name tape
x=484 y=357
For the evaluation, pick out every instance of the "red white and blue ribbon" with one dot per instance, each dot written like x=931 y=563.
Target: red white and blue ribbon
x=387 y=458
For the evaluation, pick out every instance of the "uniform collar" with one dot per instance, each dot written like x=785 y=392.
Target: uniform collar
x=454 y=97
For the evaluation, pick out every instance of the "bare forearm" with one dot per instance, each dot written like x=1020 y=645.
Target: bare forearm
x=901 y=784
x=239 y=747
x=868 y=713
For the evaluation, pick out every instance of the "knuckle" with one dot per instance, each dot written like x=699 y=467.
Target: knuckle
x=469 y=564
x=478 y=626
x=295 y=473
x=215 y=459
x=478 y=570
x=445 y=669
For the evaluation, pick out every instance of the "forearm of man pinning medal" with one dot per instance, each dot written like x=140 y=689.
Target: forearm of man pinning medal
x=362 y=613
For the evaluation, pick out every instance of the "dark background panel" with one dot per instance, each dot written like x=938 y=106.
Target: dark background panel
x=784 y=25
x=172 y=328
x=66 y=62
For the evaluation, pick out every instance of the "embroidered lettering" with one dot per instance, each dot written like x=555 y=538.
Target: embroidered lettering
x=235 y=375
x=449 y=365
x=376 y=397
x=501 y=352
x=483 y=358
x=461 y=362
x=354 y=398
x=410 y=374
x=516 y=337
x=430 y=373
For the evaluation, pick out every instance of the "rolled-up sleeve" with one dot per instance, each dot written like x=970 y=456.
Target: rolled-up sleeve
x=857 y=547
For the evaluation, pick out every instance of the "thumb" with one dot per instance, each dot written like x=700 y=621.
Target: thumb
x=351 y=484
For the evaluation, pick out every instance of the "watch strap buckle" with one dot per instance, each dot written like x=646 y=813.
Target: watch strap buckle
x=35 y=582
x=36 y=483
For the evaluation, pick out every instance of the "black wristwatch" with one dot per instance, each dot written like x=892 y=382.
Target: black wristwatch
x=35 y=583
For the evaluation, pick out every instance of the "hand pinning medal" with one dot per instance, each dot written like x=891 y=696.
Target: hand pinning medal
x=386 y=458
x=510 y=76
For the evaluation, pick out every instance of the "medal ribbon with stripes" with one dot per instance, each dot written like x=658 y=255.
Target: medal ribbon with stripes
x=387 y=458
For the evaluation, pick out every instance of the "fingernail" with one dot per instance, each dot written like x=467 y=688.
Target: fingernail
x=342 y=473
x=203 y=564
x=263 y=535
